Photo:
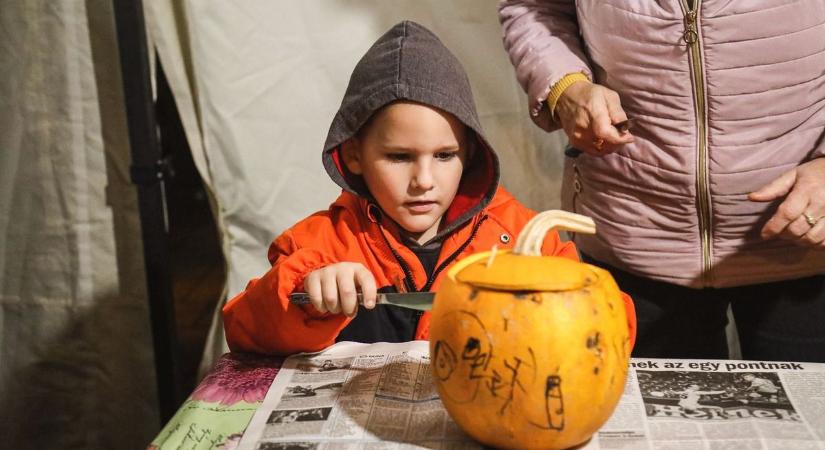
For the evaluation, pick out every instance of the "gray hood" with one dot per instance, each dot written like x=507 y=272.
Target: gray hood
x=409 y=62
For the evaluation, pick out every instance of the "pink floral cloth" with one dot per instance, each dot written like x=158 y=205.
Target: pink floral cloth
x=236 y=377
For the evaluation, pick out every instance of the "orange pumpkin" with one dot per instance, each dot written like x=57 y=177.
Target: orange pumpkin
x=529 y=351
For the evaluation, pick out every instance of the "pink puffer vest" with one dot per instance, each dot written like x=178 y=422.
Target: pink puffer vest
x=725 y=99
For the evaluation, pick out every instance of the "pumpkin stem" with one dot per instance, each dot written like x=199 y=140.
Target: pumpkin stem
x=531 y=238
x=492 y=255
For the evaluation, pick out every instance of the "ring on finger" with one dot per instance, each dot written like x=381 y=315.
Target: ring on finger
x=810 y=219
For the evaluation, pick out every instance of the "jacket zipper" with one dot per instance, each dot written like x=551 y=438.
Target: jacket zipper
x=454 y=255
x=408 y=277
x=409 y=281
x=691 y=37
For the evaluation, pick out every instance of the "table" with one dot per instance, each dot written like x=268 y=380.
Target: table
x=694 y=403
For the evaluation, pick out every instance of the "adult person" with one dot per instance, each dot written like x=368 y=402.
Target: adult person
x=716 y=196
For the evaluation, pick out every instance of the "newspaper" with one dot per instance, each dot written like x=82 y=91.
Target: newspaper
x=381 y=396
x=718 y=404
x=355 y=396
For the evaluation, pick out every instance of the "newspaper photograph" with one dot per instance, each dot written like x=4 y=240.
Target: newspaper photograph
x=718 y=404
x=381 y=396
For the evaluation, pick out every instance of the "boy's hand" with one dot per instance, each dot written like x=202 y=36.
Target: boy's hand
x=587 y=113
x=333 y=288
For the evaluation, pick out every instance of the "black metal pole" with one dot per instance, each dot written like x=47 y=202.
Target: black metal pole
x=148 y=174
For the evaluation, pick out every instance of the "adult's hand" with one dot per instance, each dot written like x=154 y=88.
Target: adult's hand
x=587 y=113
x=801 y=216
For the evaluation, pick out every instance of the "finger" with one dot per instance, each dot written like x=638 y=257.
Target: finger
x=617 y=115
x=581 y=129
x=329 y=291
x=590 y=148
x=312 y=286
x=608 y=149
x=577 y=136
x=815 y=237
x=614 y=107
x=625 y=138
x=602 y=126
x=796 y=229
x=347 y=295
x=586 y=145
x=789 y=210
x=582 y=140
x=585 y=141
x=776 y=188
x=600 y=147
x=366 y=282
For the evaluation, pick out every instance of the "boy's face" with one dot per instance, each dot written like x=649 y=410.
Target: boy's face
x=411 y=157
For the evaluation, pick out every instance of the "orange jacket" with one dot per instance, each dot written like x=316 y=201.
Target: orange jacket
x=262 y=320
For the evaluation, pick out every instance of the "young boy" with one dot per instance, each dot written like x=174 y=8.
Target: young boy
x=420 y=190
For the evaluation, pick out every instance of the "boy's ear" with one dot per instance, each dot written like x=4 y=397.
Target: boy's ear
x=350 y=152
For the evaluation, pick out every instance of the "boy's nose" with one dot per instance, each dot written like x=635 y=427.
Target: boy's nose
x=422 y=178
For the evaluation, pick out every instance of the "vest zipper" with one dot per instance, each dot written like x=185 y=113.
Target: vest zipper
x=691 y=37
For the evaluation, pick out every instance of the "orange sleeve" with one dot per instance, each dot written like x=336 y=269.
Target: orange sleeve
x=262 y=320
x=630 y=311
x=554 y=246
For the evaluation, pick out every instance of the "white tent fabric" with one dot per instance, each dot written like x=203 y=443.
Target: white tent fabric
x=265 y=79
x=76 y=366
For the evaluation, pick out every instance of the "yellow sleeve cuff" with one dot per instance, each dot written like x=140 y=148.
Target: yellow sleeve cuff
x=559 y=87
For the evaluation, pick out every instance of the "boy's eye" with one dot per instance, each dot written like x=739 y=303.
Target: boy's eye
x=398 y=156
x=444 y=156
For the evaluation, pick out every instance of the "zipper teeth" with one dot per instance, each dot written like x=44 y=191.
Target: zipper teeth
x=702 y=181
x=408 y=277
x=409 y=280
x=454 y=255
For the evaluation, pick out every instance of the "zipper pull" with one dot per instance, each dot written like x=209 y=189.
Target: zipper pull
x=691 y=34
